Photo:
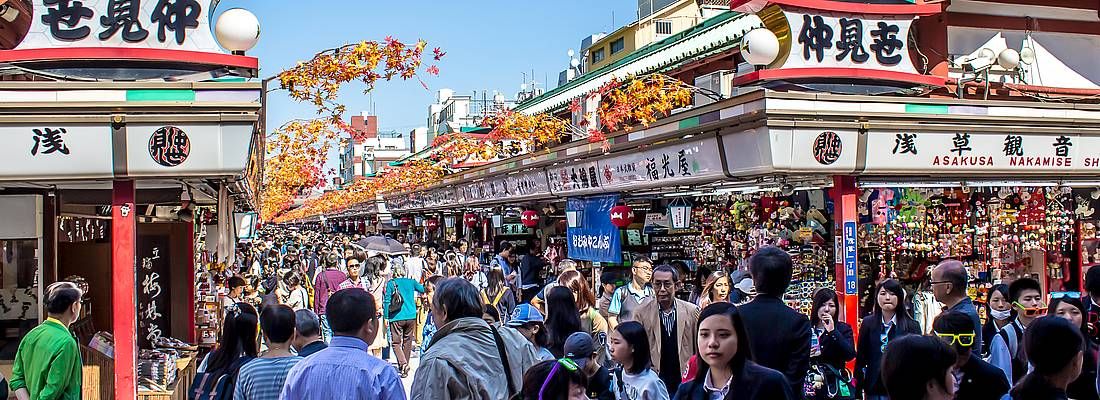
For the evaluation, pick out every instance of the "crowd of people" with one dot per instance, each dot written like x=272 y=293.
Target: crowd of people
x=312 y=316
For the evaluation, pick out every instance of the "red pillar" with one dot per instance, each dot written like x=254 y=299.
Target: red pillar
x=123 y=293
x=845 y=196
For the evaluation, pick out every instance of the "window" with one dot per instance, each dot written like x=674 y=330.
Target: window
x=617 y=45
x=664 y=28
x=597 y=55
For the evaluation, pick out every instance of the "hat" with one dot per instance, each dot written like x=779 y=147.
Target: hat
x=579 y=346
x=523 y=314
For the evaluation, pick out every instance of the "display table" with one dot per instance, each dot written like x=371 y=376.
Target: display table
x=178 y=389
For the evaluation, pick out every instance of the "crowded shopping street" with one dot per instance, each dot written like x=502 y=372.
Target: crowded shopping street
x=683 y=200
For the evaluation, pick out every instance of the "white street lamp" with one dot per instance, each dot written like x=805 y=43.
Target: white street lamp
x=237 y=30
x=760 y=47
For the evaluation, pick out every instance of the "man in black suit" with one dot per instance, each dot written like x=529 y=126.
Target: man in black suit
x=977 y=379
x=779 y=337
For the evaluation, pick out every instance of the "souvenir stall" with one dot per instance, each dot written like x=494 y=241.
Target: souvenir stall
x=108 y=158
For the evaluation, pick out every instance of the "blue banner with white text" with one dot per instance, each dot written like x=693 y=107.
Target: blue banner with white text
x=596 y=239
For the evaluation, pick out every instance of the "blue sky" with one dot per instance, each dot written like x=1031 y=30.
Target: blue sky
x=489 y=44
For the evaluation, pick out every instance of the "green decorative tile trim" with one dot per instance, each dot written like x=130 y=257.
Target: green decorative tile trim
x=160 y=95
x=926 y=109
x=689 y=123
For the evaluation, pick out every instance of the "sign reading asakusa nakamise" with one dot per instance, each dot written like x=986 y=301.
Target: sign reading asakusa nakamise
x=1020 y=152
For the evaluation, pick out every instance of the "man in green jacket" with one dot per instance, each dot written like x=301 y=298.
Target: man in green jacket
x=47 y=365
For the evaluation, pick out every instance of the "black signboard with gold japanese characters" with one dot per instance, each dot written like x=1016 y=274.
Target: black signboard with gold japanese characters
x=153 y=291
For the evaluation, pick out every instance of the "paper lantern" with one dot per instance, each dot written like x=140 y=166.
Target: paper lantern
x=529 y=218
x=574 y=218
x=432 y=224
x=622 y=216
x=679 y=214
x=406 y=221
x=470 y=220
x=449 y=221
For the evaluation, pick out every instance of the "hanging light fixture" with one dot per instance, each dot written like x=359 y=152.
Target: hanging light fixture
x=574 y=218
x=679 y=214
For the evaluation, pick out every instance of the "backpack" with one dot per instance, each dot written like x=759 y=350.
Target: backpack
x=217 y=385
x=1019 y=363
x=396 y=302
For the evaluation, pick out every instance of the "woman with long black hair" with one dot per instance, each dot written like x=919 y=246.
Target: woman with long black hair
x=831 y=346
x=1071 y=309
x=725 y=367
x=217 y=374
x=499 y=295
x=561 y=318
x=890 y=320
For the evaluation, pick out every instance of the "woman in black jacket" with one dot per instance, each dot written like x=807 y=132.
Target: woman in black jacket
x=724 y=362
x=889 y=321
x=831 y=347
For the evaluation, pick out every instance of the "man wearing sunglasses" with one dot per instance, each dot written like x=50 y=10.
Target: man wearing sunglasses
x=949 y=281
x=1006 y=351
x=976 y=379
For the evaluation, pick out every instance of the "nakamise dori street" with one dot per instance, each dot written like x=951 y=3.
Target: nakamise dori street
x=651 y=199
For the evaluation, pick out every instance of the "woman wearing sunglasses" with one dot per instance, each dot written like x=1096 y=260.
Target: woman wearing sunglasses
x=555 y=380
x=725 y=369
x=1068 y=305
x=636 y=380
x=889 y=320
x=977 y=379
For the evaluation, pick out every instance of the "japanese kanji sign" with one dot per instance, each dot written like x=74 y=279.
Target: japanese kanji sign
x=823 y=39
x=56 y=150
x=169 y=146
x=150 y=24
x=153 y=292
x=514 y=186
x=676 y=164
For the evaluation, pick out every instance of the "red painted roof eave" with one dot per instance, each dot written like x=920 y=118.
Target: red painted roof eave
x=852 y=7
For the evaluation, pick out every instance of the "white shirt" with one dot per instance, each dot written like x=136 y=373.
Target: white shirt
x=414 y=268
x=717 y=393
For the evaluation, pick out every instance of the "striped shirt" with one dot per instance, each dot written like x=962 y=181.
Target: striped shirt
x=262 y=378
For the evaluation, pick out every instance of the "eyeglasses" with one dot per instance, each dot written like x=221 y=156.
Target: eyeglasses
x=663 y=284
x=566 y=363
x=963 y=339
x=1031 y=312
x=937 y=282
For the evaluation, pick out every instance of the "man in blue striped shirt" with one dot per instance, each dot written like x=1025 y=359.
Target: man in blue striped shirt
x=262 y=378
x=346 y=369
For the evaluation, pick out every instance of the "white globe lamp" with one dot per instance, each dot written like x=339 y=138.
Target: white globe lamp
x=759 y=47
x=237 y=30
x=1027 y=55
x=1008 y=59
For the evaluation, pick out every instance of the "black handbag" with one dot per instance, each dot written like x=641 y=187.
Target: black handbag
x=396 y=302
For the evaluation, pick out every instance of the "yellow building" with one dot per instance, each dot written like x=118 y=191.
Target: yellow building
x=661 y=23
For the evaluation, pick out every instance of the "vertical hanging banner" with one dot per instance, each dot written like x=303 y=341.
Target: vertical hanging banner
x=851 y=280
x=596 y=239
x=153 y=291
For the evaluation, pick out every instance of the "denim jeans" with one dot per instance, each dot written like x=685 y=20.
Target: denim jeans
x=326 y=330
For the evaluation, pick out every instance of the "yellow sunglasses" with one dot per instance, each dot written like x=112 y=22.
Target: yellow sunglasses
x=963 y=339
